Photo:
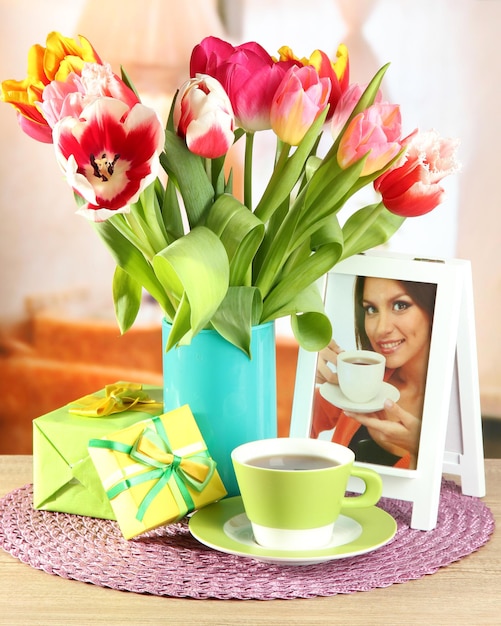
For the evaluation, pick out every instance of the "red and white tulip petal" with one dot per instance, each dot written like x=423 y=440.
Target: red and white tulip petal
x=210 y=136
x=204 y=118
x=110 y=154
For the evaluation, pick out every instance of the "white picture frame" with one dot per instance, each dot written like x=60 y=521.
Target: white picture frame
x=451 y=432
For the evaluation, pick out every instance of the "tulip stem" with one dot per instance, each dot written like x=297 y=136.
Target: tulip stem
x=249 y=146
x=128 y=226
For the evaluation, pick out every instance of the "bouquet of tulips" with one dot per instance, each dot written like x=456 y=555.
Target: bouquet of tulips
x=209 y=259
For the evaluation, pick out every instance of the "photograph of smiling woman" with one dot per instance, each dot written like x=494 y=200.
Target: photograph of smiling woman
x=393 y=318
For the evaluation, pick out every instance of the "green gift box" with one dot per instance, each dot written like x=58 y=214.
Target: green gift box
x=64 y=476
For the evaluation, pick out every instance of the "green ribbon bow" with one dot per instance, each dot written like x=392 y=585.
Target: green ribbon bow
x=152 y=449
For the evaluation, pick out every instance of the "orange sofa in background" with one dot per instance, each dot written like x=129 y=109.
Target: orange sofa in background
x=50 y=360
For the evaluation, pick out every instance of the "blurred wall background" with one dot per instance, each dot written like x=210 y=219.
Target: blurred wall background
x=443 y=71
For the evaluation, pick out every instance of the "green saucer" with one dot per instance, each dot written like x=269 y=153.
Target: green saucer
x=224 y=526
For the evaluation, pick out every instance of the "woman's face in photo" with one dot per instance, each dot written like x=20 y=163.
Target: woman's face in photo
x=395 y=325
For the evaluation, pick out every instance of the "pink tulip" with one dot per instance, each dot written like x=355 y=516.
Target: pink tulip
x=70 y=97
x=247 y=73
x=412 y=189
x=337 y=71
x=300 y=98
x=345 y=106
x=61 y=99
x=204 y=118
x=109 y=154
x=209 y=56
x=374 y=132
x=37 y=129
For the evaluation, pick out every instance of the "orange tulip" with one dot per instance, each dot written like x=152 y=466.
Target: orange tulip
x=57 y=61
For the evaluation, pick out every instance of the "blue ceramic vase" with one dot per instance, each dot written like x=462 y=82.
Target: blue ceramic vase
x=233 y=398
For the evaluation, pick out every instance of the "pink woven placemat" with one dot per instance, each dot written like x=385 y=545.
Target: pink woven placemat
x=170 y=562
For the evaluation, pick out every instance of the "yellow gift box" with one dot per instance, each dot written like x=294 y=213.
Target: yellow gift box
x=156 y=471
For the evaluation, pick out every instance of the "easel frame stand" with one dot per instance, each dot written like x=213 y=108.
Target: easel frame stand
x=451 y=432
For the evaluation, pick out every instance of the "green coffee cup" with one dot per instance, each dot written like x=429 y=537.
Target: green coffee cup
x=293 y=489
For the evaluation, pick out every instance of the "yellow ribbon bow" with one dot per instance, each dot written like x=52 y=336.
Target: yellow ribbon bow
x=147 y=448
x=118 y=397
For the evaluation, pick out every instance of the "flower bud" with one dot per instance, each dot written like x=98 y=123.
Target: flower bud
x=300 y=98
x=204 y=118
x=374 y=132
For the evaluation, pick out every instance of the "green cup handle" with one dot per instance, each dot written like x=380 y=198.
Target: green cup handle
x=373 y=488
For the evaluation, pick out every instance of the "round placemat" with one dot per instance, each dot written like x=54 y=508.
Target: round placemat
x=170 y=562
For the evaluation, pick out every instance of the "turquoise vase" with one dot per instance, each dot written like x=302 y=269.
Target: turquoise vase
x=233 y=398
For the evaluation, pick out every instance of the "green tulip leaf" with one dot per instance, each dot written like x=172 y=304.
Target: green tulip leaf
x=278 y=250
x=309 y=323
x=312 y=330
x=188 y=171
x=148 y=218
x=127 y=80
x=315 y=206
x=171 y=212
x=285 y=177
x=311 y=166
x=238 y=312
x=273 y=226
x=181 y=332
x=132 y=261
x=299 y=278
x=127 y=295
x=369 y=95
x=327 y=191
x=241 y=233
x=195 y=270
x=369 y=227
x=329 y=231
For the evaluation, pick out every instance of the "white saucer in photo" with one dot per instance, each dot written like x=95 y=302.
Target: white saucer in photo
x=333 y=394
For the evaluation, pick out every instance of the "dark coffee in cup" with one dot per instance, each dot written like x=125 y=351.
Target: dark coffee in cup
x=361 y=361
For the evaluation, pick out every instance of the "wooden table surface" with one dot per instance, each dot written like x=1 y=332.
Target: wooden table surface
x=464 y=593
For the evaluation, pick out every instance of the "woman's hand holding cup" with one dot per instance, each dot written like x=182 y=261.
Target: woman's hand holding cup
x=328 y=355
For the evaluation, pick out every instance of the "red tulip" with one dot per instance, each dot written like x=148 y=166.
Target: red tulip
x=412 y=188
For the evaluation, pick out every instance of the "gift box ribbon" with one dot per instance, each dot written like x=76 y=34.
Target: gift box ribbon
x=152 y=450
x=118 y=397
